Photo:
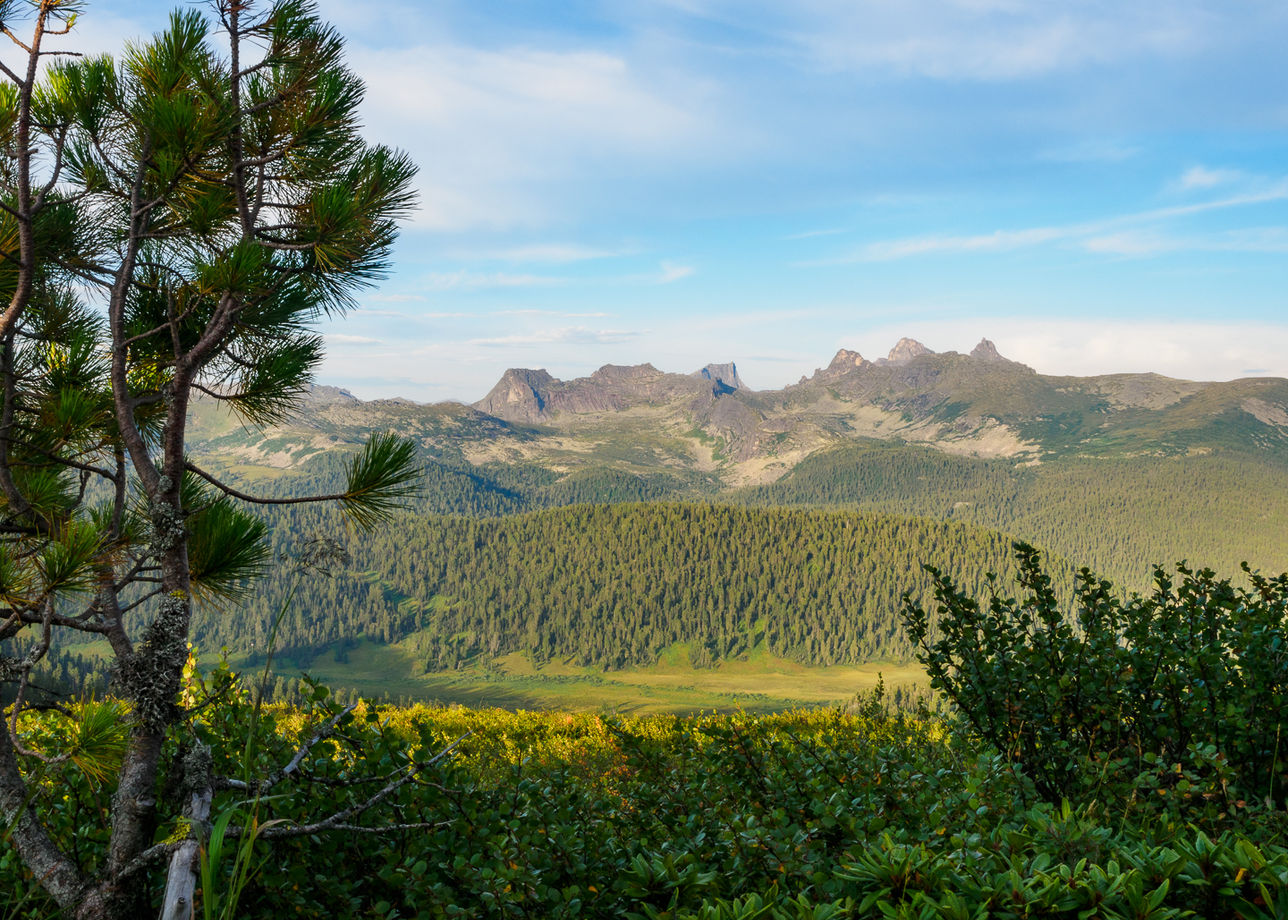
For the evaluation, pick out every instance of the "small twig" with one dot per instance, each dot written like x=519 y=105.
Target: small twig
x=340 y=820
x=305 y=830
x=324 y=732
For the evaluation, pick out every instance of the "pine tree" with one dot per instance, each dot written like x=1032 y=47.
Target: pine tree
x=211 y=188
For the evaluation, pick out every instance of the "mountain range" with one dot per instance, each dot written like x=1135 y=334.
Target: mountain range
x=710 y=426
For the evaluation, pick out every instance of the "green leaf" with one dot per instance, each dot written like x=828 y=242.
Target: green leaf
x=275 y=376
x=15 y=581
x=99 y=737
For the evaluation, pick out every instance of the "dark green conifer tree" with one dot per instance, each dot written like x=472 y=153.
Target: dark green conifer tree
x=210 y=188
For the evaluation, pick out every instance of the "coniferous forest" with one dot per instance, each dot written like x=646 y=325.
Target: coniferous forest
x=613 y=585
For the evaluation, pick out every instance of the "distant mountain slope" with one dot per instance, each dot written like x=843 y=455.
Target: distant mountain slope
x=1119 y=516
x=1116 y=472
x=811 y=546
x=642 y=420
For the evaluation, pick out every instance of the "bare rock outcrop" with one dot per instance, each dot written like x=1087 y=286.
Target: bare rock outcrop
x=724 y=377
x=520 y=395
x=986 y=351
x=905 y=350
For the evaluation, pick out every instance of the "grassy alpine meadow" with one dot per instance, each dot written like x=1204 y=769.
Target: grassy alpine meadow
x=826 y=812
x=761 y=682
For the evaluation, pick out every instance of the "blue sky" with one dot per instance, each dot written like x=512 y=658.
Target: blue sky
x=1096 y=186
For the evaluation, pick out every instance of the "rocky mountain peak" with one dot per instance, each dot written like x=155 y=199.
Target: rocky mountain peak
x=722 y=375
x=320 y=395
x=986 y=351
x=612 y=372
x=846 y=359
x=520 y=394
x=905 y=350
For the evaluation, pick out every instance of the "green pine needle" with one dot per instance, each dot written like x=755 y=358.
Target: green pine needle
x=227 y=549
x=380 y=478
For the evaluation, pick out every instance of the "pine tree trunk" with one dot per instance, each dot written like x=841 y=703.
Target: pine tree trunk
x=181 y=877
x=150 y=680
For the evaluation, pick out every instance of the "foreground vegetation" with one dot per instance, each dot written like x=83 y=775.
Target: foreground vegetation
x=1122 y=762
x=820 y=813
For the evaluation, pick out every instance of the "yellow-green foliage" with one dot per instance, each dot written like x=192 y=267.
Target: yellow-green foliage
x=810 y=813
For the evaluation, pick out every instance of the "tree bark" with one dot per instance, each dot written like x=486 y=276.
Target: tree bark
x=181 y=878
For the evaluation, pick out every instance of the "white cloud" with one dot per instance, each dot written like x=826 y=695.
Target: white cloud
x=1095 y=150
x=95 y=32
x=465 y=280
x=555 y=253
x=811 y=234
x=395 y=298
x=344 y=338
x=496 y=128
x=1086 y=347
x=776 y=348
x=571 y=335
x=981 y=40
x=562 y=313
x=1094 y=235
x=1200 y=177
x=1134 y=243
x=672 y=272
x=997 y=241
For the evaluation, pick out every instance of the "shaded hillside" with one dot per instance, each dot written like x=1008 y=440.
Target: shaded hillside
x=1117 y=516
x=1117 y=472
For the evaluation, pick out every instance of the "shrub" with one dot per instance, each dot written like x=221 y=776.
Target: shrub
x=1183 y=691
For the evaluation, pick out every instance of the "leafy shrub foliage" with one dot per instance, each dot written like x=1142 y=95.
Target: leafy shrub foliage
x=812 y=814
x=1183 y=692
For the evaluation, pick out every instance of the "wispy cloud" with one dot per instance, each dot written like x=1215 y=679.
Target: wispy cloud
x=1096 y=235
x=571 y=335
x=466 y=280
x=561 y=313
x=812 y=234
x=395 y=298
x=983 y=40
x=667 y=273
x=672 y=272
x=997 y=241
x=344 y=338
x=509 y=124
x=1095 y=150
x=1104 y=345
x=1134 y=243
x=543 y=253
x=1201 y=177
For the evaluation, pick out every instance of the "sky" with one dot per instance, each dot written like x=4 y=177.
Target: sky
x=1096 y=186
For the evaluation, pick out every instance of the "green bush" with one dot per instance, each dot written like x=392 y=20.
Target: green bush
x=1179 y=697
x=810 y=815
